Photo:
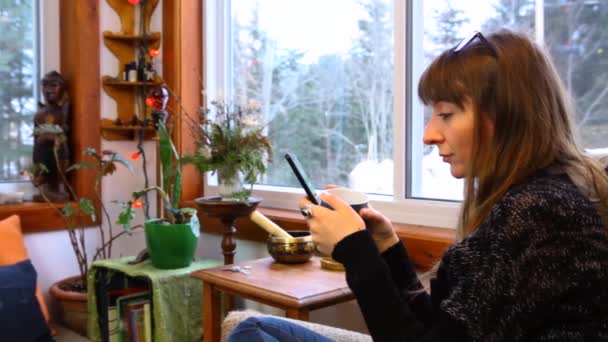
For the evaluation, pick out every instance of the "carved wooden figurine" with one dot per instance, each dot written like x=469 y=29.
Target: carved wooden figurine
x=51 y=138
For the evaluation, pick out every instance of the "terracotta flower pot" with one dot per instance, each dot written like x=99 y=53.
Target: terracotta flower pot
x=73 y=306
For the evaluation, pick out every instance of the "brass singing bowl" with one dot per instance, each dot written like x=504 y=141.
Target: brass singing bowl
x=298 y=249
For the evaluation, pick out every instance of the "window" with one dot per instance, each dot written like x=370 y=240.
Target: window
x=337 y=81
x=574 y=34
x=30 y=47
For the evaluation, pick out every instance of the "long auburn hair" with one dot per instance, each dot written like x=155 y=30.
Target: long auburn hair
x=512 y=83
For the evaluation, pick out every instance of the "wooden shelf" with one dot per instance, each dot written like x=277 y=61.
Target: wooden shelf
x=130 y=102
x=127 y=13
x=125 y=46
x=110 y=131
x=110 y=81
x=151 y=37
x=128 y=46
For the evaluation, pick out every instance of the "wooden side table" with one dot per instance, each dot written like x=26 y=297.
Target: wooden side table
x=295 y=288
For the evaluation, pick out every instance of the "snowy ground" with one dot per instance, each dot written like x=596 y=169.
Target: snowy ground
x=437 y=181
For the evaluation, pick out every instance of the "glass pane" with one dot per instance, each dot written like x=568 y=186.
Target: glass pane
x=322 y=72
x=18 y=65
x=575 y=35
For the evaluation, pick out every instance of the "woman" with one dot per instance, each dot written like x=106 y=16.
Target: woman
x=531 y=261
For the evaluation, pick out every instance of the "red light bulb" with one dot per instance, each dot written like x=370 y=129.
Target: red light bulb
x=150 y=101
x=137 y=204
x=135 y=155
x=154 y=52
x=133 y=2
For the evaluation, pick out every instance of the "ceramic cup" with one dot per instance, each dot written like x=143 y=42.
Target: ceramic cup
x=356 y=199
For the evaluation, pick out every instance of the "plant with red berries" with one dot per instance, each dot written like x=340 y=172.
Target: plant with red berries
x=73 y=212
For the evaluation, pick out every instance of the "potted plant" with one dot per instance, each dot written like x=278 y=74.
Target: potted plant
x=231 y=143
x=72 y=292
x=171 y=240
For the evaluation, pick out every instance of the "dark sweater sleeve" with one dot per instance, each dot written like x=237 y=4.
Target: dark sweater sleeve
x=388 y=316
x=411 y=290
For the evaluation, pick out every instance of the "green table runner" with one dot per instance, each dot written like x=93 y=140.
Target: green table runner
x=177 y=298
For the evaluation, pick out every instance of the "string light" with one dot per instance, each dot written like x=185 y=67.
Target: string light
x=135 y=155
x=154 y=52
x=137 y=204
x=157 y=98
x=134 y=2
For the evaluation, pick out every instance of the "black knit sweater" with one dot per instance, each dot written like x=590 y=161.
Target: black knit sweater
x=535 y=269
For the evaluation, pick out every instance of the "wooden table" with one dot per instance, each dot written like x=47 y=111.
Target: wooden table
x=295 y=288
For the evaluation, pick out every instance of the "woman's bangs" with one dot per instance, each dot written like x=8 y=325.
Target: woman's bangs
x=442 y=81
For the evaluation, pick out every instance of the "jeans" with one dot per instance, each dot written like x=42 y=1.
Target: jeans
x=271 y=329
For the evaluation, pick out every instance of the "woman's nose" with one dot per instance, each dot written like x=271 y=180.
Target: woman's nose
x=432 y=136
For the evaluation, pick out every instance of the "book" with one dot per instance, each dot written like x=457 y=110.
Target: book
x=124 y=305
x=136 y=324
x=147 y=323
x=113 y=325
x=135 y=312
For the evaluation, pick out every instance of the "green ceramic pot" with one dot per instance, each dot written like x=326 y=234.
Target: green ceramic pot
x=172 y=245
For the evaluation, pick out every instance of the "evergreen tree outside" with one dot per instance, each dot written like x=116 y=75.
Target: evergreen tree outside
x=573 y=33
x=575 y=36
x=17 y=83
x=271 y=76
x=447 y=31
x=514 y=14
x=371 y=65
x=332 y=112
x=335 y=112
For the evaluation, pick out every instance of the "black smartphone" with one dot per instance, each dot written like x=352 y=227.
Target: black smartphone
x=302 y=178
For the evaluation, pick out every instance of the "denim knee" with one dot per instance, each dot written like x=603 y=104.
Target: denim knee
x=247 y=330
x=273 y=329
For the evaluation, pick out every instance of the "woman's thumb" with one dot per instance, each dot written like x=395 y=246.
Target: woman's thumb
x=369 y=214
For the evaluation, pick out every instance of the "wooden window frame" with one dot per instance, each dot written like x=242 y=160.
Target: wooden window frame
x=80 y=61
x=183 y=41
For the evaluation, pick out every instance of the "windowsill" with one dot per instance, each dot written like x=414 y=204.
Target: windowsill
x=38 y=217
x=410 y=211
x=425 y=245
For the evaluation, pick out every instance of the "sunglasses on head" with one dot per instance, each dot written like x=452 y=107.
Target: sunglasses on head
x=467 y=41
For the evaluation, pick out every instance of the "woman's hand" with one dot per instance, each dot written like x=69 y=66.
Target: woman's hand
x=328 y=226
x=380 y=228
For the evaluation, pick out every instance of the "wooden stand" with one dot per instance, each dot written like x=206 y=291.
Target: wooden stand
x=227 y=212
